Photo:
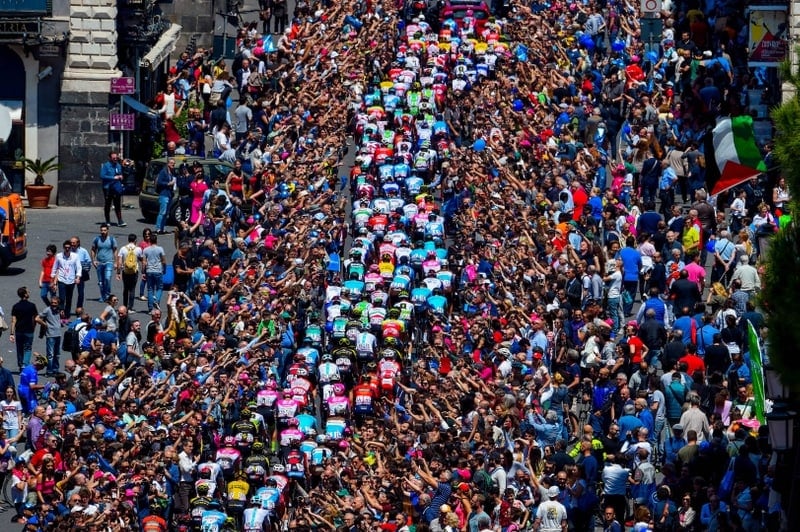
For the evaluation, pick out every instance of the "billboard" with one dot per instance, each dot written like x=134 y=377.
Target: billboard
x=768 y=36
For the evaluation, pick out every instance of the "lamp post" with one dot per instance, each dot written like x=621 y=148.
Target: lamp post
x=781 y=427
x=781 y=423
x=775 y=387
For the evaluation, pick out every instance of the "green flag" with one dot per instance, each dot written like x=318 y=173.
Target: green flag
x=756 y=372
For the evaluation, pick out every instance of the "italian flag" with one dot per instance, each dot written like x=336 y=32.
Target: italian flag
x=732 y=155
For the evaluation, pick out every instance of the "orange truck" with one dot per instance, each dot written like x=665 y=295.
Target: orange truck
x=13 y=238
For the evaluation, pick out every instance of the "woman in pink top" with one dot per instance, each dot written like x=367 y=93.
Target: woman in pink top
x=199 y=187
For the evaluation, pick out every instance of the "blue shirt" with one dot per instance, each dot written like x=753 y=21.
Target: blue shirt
x=627 y=423
x=668 y=177
x=28 y=376
x=631 y=263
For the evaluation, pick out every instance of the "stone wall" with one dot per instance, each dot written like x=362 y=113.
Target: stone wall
x=84 y=146
x=197 y=19
x=84 y=135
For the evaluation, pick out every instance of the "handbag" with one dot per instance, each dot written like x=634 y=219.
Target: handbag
x=117 y=187
x=3 y=324
x=726 y=484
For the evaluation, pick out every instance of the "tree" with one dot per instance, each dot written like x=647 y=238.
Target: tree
x=40 y=168
x=781 y=283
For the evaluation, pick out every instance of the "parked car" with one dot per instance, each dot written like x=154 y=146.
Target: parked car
x=458 y=10
x=148 y=197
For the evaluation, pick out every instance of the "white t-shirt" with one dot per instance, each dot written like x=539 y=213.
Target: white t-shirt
x=11 y=410
x=615 y=285
x=550 y=515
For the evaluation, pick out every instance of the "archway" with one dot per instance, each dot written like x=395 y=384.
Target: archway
x=12 y=96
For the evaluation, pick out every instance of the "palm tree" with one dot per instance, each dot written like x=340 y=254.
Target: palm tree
x=40 y=168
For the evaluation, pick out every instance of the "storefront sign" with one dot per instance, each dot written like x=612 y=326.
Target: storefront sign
x=49 y=50
x=19 y=28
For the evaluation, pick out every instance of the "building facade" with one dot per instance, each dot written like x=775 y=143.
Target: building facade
x=58 y=58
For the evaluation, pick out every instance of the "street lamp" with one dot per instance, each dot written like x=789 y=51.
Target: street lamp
x=781 y=427
x=776 y=389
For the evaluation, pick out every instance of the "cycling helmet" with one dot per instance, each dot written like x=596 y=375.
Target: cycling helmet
x=272 y=384
x=258 y=447
x=394 y=313
x=287 y=393
x=97 y=322
x=327 y=357
x=322 y=439
x=390 y=340
x=255 y=499
x=229 y=441
x=293 y=422
x=213 y=504
x=338 y=388
x=402 y=294
x=246 y=412
x=202 y=489
x=344 y=342
x=371 y=366
x=311 y=432
x=278 y=468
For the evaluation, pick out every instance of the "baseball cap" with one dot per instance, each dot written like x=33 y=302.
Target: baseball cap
x=552 y=492
x=103 y=412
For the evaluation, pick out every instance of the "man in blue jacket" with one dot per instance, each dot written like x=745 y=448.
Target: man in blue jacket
x=111 y=178
x=164 y=185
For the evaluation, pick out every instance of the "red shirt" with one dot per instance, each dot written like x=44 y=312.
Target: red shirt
x=693 y=363
x=47 y=266
x=637 y=344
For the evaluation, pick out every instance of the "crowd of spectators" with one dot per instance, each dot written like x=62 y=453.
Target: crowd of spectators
x=518 y=308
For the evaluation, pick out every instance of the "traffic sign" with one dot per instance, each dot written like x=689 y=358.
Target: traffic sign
x=123 y=86
x=651 y=29
x=651 y=6
x=121 y=122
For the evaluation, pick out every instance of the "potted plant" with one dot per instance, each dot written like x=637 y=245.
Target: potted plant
x=39 y=192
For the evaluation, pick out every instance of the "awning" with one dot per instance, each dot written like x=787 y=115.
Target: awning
x=137 y=106
x=161 y=49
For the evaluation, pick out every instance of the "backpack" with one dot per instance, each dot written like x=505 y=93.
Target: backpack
x=71 y=340
x=485 y=483
x=130 y=266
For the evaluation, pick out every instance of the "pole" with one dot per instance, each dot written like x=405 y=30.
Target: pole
x=121 y=132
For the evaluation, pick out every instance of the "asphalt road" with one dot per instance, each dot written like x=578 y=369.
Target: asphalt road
x=53 y=226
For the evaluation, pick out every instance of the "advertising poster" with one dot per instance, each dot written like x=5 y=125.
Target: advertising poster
x=769 y=31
